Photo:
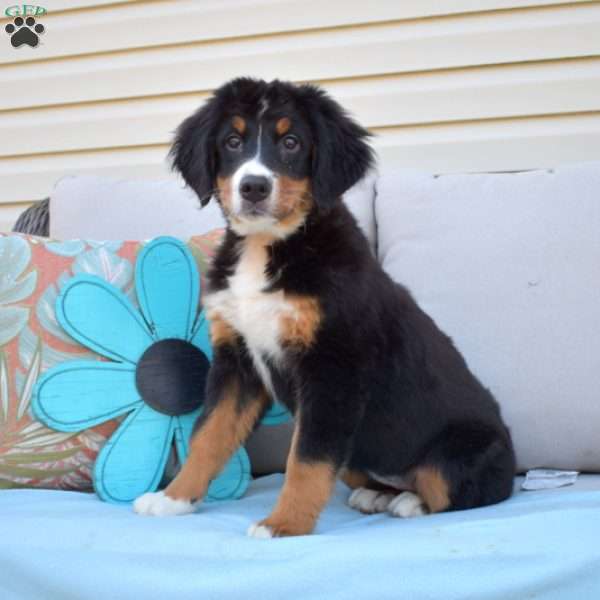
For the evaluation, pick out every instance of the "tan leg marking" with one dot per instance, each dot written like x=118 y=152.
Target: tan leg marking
x=305 y=493
x=239 y=124
x=433 y=488
x=221 y=332
x=283 y=125
x=223 y=431
x=354 y=479
x=300 y=326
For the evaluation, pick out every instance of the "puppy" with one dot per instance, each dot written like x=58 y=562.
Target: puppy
x=301 y=310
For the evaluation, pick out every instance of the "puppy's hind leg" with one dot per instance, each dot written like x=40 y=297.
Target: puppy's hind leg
x=468 y=466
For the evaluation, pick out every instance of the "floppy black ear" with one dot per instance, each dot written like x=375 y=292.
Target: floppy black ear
x=194 y=150
x=341 y=154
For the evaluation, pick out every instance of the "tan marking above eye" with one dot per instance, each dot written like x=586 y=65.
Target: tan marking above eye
x=239 y=124
x=283 y=125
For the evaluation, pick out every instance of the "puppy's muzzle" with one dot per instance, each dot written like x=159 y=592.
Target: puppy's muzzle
x=255 y=190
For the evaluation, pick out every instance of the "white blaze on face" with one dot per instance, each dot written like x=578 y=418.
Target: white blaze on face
x=243 y=224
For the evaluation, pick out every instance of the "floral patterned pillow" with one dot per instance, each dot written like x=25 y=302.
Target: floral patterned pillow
x=32 y=270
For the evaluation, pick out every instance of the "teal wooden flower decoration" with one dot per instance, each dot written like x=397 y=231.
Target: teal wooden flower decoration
x=159 y=359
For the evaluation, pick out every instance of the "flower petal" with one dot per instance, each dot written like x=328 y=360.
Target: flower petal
x=233 y=480
x=101 y=317
x=168 y=287
x=184 y=425
x=201 y=336
x=81 y=394
x=276 y=415
x=133 y=460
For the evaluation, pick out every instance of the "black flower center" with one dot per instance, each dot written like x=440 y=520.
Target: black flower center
x=171 y=375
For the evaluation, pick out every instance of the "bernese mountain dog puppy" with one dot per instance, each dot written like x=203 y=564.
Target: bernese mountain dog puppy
x=301 y=310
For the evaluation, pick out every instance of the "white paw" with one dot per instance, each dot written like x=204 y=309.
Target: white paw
x=160 y=505
x=369 y=501
x=406 y=505
x=256 y=530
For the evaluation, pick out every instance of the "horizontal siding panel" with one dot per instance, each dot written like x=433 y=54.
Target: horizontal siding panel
x=507 y=91
x=140 y=24
x=56 y=7
x=33 y=178
x=505 y=144
x=527 y=35
x=9 y=213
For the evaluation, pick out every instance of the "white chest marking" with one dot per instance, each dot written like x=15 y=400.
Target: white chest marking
x=250 y=310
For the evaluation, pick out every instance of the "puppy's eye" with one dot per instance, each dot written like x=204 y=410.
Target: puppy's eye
x=291 y=143
x=234 y=142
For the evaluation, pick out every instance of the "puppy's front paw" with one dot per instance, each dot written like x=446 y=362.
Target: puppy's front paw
x=158 y=504
x=273 y=527
x=256 y=530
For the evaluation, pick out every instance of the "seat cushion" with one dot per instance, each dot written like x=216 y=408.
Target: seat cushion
x=508 y=266
x=542 y=545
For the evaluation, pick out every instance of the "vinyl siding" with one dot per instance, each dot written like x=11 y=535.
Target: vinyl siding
x=458 y=85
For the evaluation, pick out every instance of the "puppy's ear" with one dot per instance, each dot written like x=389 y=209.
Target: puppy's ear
x=341 y=154
x=194 y=152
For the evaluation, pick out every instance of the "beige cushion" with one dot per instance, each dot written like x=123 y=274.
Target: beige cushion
x=509 y=266
x=92 y=207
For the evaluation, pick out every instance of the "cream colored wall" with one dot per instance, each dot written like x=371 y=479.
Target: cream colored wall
x=447 y=85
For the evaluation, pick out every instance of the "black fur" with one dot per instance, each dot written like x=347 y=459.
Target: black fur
x=382 y=390
x=340 y=155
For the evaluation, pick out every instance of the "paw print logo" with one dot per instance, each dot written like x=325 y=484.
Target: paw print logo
x=24 y=32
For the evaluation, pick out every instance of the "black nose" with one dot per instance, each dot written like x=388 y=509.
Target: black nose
x=255 y=188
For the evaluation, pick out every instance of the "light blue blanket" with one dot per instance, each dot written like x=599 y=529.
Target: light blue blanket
x=71 y=546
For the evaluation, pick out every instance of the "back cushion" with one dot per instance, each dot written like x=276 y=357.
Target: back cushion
x=92 y=207
x=508 y=265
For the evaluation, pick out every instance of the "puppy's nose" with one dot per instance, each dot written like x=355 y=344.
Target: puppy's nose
x=255 y=188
